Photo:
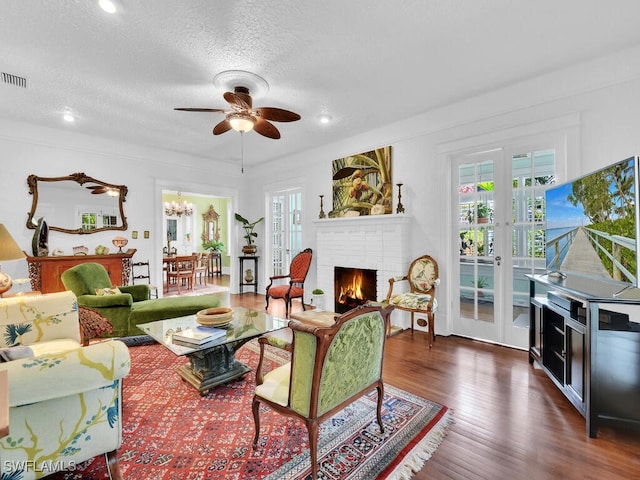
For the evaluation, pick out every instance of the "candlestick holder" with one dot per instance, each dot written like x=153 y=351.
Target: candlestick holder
x=321 y=215
x=400 y=208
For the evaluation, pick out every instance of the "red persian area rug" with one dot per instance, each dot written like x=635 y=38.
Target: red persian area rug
x=170 y=432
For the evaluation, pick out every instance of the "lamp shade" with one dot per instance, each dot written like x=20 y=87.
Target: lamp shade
x=9 y=249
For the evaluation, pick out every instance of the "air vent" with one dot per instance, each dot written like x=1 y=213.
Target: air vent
x=15 y=80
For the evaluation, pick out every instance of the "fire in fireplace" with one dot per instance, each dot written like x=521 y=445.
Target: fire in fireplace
x=353 y=287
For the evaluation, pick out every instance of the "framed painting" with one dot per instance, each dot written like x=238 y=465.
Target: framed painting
x=362 y=184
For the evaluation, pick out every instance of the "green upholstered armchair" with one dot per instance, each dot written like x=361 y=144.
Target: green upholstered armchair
x=291 y=285
x=87 y=278
x=330 y=367
x=64 y=399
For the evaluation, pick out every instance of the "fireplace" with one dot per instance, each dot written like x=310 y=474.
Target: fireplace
x=353 y=287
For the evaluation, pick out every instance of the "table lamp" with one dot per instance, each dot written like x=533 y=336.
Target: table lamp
x=9 y=250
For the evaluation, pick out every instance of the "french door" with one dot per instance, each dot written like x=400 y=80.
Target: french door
x=286 y=229
x=499 y=226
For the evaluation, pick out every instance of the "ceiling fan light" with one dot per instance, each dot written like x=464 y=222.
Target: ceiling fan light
x=241 y=122
x=109 y=6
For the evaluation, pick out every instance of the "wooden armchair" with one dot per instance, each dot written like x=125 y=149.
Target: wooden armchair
x=330 y=368
x=421 y=297
x=294 y=288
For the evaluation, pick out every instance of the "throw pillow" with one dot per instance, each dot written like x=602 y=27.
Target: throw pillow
x=13 y=353
x=108 y=291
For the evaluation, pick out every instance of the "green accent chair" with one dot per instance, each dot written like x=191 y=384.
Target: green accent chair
x=330 y=368
x=65 y=400
x=132 y=306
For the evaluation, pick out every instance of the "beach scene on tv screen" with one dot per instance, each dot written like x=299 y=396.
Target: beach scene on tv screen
x=591 y=224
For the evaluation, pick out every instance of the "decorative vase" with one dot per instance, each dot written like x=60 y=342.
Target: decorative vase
x=250 y=249
x=248 y=276
x=317 y=299
x=40 y=241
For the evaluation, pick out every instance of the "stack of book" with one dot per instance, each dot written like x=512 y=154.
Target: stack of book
x=197 y=336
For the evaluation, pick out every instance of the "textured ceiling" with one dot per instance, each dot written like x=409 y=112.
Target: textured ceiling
x=365 y=63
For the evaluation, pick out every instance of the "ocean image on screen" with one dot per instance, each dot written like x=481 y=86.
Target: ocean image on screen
x=591 y=224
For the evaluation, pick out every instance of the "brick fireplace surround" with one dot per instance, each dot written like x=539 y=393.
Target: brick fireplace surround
x=377 y=242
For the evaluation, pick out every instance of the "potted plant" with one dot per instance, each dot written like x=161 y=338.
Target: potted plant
x=213 y=246
x=250 y=248
x=483 y=212
x=480 y=283
x=317 y=299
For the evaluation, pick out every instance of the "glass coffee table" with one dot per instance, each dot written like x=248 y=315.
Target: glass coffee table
x=214 y=363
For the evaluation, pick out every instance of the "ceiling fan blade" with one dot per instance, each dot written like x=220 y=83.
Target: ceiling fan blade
x=223 y=126
x=200 y=110
x=242 y=100
x=265 y=128
x=277 y=114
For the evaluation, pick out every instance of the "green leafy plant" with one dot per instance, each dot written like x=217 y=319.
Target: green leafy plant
x=481 y=282
x=482 y=210
x=213 y=245
x=248 y=228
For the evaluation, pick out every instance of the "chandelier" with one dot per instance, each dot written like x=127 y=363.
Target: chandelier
x=178 y=208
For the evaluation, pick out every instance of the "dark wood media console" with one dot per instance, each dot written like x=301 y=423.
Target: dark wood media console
x=585 y=334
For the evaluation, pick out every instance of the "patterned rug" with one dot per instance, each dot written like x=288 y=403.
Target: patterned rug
x=172 y=433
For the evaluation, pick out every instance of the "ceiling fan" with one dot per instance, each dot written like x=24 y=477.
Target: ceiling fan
x=242 y=117
x=100 y=189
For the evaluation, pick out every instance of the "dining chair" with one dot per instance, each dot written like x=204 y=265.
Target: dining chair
x=185 y=269
x=202 y=265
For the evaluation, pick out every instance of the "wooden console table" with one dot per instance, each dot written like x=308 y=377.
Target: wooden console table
x=45 y=272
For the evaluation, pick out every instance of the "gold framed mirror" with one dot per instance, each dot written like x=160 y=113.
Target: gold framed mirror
x=77 y=204
x=210 y=226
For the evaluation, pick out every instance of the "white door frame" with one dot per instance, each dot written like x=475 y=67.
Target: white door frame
x=561 y=133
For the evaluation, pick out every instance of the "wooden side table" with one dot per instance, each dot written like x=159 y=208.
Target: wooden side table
x=215 y=264
x=243 y=282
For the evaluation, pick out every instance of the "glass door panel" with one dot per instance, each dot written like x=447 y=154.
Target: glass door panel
x=476 y=232
x=286 y=229
x=501 y=236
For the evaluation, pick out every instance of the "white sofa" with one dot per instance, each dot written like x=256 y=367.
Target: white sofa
x=64 y=399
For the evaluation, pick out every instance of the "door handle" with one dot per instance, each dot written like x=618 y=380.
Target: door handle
x=498 y=260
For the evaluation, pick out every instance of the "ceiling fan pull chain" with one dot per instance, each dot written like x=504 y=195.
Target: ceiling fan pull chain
x=241 y=152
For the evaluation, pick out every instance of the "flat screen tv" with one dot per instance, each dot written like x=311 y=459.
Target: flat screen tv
x=592 y=224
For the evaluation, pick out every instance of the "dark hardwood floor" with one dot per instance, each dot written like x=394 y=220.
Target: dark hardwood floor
x=510 y=421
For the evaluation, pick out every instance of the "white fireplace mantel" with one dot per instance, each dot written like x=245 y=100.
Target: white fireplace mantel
x=378 y=242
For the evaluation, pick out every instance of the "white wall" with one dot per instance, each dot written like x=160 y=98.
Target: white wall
x=604 y=94
x=27 y=149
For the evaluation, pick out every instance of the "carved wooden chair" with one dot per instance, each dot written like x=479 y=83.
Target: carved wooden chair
x=422 y=278
x=202 y=265
x=294 y=288
x=330 y=368
x=185 y=269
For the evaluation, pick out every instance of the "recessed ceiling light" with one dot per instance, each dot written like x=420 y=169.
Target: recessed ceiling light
x=109 y=6
x=325 y=118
